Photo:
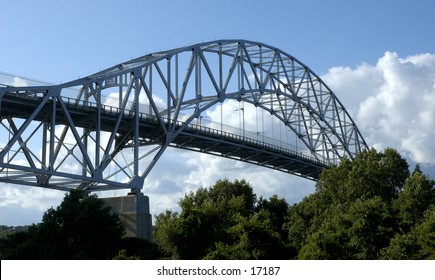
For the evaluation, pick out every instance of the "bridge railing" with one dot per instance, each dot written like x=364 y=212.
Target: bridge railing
x=251 y=141
x=236 y=134
x=233 y=133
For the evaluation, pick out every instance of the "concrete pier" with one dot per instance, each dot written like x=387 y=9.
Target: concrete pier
x=134 y=212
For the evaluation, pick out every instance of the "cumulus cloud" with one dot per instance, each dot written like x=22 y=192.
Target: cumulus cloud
x=18 y=82
x=393 y=102
x=11 y=80
x=354 y=85
x=22 y=205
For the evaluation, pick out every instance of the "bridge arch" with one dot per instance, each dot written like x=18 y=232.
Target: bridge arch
x=279 y=84
x=174 y=88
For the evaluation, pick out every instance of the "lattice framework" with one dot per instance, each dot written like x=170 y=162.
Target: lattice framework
x=150 y=103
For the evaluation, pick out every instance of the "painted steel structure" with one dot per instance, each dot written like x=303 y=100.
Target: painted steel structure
x=76 y=134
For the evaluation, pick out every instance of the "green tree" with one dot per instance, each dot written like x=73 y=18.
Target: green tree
x=370 y=174
x=370 y=225
x=139 y=248
x=370 y=207
x=350 y=216
x=415 y=199
x=79 y=228
x=250 y=238
x=304 y=219
x=359 y=232
x=417 y=244
x=326 y=243
x=205 y=216
x=277 y=208
x=167 y=233
x=224 y=221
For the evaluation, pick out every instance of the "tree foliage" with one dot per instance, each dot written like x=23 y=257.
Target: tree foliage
x=370 y=207
x=361 y=208
x=416 y=244
x=225 y=221
x=417 y=196
x=81 y=227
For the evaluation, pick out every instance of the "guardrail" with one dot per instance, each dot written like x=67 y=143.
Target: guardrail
x=282 y=147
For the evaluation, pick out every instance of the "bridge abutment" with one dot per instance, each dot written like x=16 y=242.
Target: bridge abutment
x=134 y=212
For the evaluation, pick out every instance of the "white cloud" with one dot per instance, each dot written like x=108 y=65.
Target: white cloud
x=16 y=200
x=393 y=102
x=353 y=85
x=18 y=82
x=25 y=197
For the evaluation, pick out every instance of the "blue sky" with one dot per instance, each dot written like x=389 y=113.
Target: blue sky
x=60 y=40
x=369 y=52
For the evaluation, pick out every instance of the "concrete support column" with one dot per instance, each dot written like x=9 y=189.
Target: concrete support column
x=134 y=212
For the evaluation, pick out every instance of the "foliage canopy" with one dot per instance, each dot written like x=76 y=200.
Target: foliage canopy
x=81 y=227
x=372 y=207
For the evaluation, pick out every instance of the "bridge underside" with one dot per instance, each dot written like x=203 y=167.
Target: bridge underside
x=249 y=150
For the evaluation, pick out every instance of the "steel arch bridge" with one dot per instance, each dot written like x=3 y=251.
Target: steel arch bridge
x=108 y=130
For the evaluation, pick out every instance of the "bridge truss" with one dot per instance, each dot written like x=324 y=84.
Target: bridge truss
x=108 y=130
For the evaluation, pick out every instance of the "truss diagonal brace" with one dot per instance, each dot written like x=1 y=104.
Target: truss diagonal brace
x=22 y=129
x=76 y=135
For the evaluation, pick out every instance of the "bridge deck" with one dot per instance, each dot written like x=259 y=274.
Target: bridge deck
x=194 y=137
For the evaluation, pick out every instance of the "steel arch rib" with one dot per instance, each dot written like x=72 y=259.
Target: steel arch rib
x=232 y=48
x=317 y=116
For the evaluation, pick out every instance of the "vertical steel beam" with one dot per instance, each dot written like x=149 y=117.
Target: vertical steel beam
x=52 y=135
x=220 y=72
x=44 y=139
x=136 y=125
x=98 y=130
